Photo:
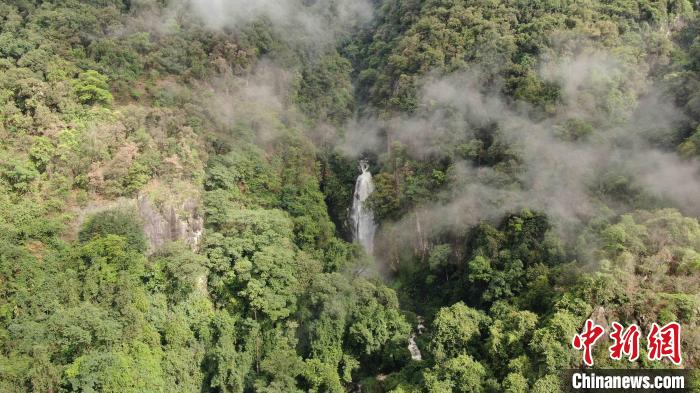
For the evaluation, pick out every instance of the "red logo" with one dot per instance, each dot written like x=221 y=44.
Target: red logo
x=591 y=333
x=662 y=342
x=665 y=342
x=624 y=342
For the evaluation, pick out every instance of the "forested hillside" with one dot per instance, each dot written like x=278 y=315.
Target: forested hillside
x=177 y=177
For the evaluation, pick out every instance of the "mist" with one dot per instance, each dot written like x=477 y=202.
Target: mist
x=563 y=175
x=318 y=22
x=566 y=176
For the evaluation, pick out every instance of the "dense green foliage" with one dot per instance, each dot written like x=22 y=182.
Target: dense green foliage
x=107 y=104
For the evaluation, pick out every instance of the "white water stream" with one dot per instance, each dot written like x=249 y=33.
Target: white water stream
x=361 y=216
x=363 y=229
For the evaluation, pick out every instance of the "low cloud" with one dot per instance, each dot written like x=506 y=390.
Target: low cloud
x=628 y=145
x=306 y=21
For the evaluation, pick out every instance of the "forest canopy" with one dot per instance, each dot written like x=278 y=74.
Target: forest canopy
x=176 y=180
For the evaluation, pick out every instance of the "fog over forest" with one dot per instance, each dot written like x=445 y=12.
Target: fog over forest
x=394 y=196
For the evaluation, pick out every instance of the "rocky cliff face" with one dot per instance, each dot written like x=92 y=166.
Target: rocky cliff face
x=171 y=223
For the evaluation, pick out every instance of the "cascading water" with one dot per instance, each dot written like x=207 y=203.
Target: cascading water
x=412 y=346
x=363 y=225
x=363 y=228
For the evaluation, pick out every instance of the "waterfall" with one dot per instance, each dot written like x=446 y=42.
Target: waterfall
x=362 y=218
x=412 y=346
